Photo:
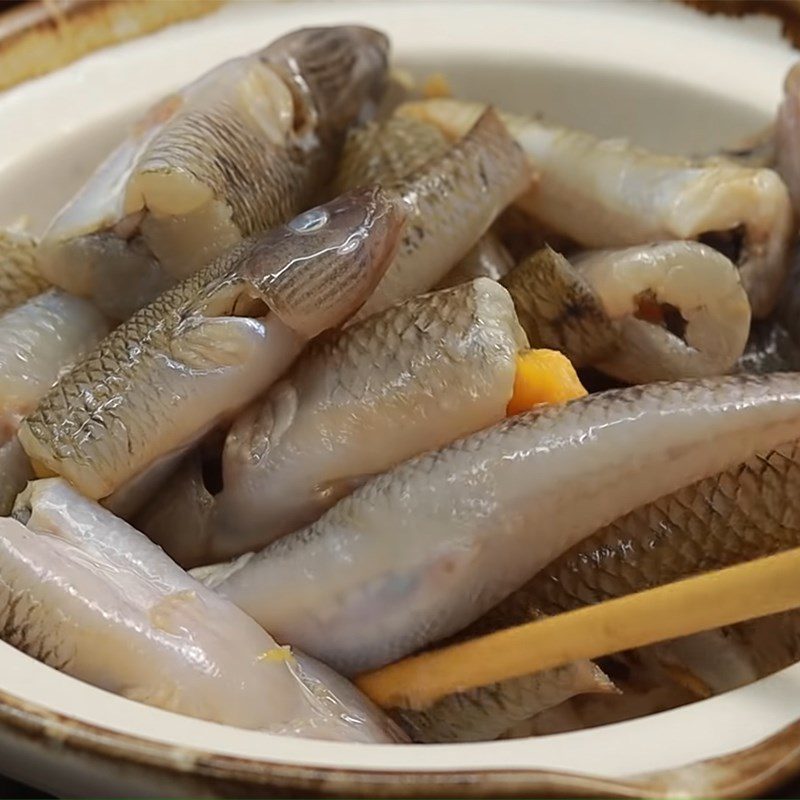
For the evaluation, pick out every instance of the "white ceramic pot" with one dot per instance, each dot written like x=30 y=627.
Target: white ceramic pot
x=667 y=77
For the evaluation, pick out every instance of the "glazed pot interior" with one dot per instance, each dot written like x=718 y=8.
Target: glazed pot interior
x=607 y=70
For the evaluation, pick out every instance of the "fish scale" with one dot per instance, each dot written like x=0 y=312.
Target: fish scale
x=744 y=513
x=20 y=277
x=453 y=199
x=413 y=377
x=281 y=181
x=497 y=506
x=239 y=150
x=193 y=357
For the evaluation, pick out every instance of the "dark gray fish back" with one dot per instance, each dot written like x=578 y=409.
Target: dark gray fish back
x=356 y=235
x=558 y=309
x=744 y=513
x=273 y=182
x=336 y=70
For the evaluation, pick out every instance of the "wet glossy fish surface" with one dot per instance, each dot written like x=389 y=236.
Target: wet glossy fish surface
x=87 y=594
x=244 y=148
x=411 y=378
x=210 y=345
x=39 y=340
x=607 y=193
x=453 y=200
x=491 y=510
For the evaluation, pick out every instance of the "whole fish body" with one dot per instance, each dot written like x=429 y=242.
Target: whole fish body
x=87 y=594
x=453 y=200
x=411 y=378
x=243 y=148
x=420 y=552
x=209 y=346
x=20 y=276
x=605 y=194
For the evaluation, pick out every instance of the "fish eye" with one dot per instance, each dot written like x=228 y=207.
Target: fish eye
x=310 y=221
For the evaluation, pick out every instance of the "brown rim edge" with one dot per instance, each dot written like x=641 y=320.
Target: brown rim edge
x=741 y=774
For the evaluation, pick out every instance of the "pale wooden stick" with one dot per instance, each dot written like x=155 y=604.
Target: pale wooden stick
x=734 y=594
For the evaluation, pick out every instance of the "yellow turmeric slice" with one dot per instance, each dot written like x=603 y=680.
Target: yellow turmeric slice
x=543 y=376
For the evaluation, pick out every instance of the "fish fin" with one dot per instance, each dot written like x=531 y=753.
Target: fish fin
x=216 y=342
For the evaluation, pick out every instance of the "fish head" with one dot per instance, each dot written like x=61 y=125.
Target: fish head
x=318 y=269
x=338 y=74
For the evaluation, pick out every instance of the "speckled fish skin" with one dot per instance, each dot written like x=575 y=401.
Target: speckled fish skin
x=606 y=194
x=689 y=279
x=39 y=341
x=209 y=346
x=87 y=594
x=385 y=152
x=20 y=278
x=453 y=201
x=559 y=310
x=490 y=711
x=240 y=150
x=748 y=511
x=420 y=552
x=414 y=377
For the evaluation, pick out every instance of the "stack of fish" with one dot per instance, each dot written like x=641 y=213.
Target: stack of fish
x=283 y=338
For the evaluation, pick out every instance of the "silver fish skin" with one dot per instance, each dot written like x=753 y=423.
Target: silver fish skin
x=210 y=345
x=609 y=194
x=413 y=377
x=242 y=149
x=420 y=552
x=39 y=341
x=452 y=200
x=87 y=594
x=20 y=277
